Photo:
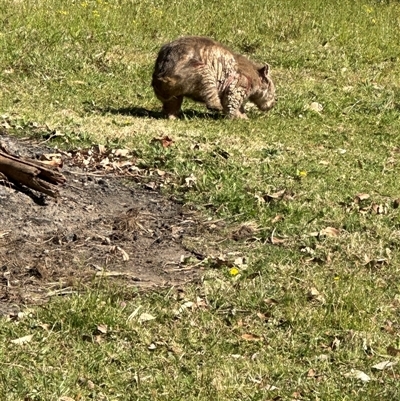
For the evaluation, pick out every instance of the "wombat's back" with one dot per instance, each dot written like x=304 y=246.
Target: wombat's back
x=179 y=53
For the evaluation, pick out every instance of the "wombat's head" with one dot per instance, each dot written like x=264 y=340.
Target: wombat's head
x=264 y=95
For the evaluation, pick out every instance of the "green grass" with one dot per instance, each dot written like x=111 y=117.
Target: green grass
x=78 y=67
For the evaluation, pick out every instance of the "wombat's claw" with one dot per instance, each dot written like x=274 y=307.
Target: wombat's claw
x=214 y=107
x=237 y=114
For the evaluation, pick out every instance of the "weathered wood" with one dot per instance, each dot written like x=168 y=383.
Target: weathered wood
x=31 y=173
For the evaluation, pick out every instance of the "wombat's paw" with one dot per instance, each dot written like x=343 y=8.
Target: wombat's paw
x=214 y=106
x=237 y=114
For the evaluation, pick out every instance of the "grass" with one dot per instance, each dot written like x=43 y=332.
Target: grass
x=303 y=313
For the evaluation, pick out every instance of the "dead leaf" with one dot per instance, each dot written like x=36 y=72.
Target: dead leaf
x=22 y=340
x=104 y=162
x=52 y=163
x=358 y=374
x=276 y=240
x=220 y=261
x=101 y=149
x=251 y=337
x=384 y=365
x=175 y=349
x=145 y=317
x=51 y=159
x=388 y=327
x=274 y=196
x=396 y=203
x=190 y=181
x=335 y=344
x=311 y=373
x=392 y=351
x=125 y=256
x=360 y=197
x=277 y=218
x=271 y=301
x=239 y=261
x=329 y=232
x=262 y=316
x=5 y=125
x=314 y=294
x=102 y=328
x=315 y=106
x=201 y=303
x=98 y=339
x=259 y=198
x=121 y=152
x=103 y=273
x=270 y=387
x=186 y=305
x=377 y=262
x=165 y=141
x=151 y=185
x=65 y=398
x=379 y=209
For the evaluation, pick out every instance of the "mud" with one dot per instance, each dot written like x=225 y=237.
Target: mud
x=101 y=227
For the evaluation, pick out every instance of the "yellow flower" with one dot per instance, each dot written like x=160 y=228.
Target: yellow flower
x=234 y=271
x=337 y=278
x=301 y=173
x=368 y=9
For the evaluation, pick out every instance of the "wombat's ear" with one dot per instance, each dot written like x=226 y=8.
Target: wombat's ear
x=264 y=71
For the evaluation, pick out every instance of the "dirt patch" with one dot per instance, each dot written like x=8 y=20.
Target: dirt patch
x=101 y=226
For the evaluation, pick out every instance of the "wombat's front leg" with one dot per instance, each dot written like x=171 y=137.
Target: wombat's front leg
x=172 y=107
x=209 y=91
x=233 y=101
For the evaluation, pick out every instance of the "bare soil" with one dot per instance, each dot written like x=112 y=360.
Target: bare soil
x=101 y=226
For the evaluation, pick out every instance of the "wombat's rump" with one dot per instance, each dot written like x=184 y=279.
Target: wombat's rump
x=207 y=71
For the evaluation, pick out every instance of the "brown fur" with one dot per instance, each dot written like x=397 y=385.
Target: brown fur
x=207 y=71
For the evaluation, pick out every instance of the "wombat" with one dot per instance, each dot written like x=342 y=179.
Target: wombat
x=207 y=71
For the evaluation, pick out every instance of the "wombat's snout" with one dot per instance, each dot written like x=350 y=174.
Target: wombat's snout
x=268 y=105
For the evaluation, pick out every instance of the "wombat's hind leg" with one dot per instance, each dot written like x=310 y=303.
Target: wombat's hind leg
x=172 y=107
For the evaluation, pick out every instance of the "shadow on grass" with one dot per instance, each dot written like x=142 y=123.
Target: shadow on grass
x=134 y=111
